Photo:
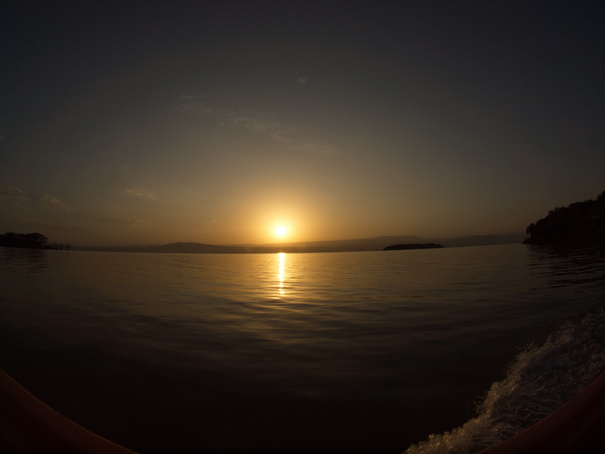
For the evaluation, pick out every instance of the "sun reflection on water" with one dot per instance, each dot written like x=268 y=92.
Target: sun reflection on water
x=281 y=275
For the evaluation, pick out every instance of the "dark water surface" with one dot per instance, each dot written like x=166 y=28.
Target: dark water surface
x=355 y=352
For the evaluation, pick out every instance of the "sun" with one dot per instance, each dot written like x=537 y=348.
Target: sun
x=281 y=231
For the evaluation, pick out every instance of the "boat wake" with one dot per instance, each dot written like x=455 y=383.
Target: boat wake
x=541 y=378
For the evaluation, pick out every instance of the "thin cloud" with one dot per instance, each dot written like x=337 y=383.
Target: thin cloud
x=127 y=221
x=14 y=195
x=18 y=197
x=258 y=124
x=301 y=80
x=138 y=192
x=255 y=122
x=52 y=202
x=118 y=220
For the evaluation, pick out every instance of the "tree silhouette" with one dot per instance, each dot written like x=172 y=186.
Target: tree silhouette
x=579 y=223
x=30 y=240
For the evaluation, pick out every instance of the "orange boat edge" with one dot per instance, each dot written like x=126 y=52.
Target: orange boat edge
x=27 y=425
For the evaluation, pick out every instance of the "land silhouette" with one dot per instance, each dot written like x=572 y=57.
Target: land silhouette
x=30 y=240
x=401 y=247
x=39 y=241
x=581 y=223
x=360 y=244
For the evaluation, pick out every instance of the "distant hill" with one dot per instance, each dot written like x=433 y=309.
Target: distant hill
x=362 y=244
x=578 y=223
x=409 y=246
x=171 y=248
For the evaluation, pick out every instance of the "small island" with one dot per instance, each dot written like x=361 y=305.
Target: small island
x=581 y=223
x=30 y=241
x=405 y=247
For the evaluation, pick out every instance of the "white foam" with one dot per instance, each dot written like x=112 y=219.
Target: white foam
x=541 y=378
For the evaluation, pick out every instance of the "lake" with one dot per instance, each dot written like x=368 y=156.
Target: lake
x=311 y=352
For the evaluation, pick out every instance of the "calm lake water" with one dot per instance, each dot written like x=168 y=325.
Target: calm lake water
x=326 y=352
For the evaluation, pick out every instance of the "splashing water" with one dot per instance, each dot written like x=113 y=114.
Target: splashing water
x=541 y=379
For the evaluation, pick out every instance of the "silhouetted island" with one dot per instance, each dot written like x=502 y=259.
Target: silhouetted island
x=398 y=247
x=579 y=223
x=351 y=245
x=30 y=240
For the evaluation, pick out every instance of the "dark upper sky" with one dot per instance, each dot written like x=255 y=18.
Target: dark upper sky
x=153 y=122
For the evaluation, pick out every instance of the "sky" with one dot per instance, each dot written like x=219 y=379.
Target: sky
x=215 y=122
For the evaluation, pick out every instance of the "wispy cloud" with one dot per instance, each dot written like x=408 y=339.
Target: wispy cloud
x=18 y=197
x=301 y=80
x=127 y=221
x=139 y=192
x=14 y=195
x=52 y=202
x=253 y=121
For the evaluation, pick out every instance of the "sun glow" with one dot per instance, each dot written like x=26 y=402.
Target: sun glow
x=281 y=231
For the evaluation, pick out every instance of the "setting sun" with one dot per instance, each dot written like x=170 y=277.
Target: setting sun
x=281 y=231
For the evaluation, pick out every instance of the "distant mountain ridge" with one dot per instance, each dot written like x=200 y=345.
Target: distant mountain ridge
x=361 y=244
x=410 y=246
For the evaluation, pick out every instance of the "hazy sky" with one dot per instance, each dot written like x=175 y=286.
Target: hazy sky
x=155 y=122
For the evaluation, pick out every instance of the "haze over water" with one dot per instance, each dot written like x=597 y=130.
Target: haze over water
x=309 y=352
